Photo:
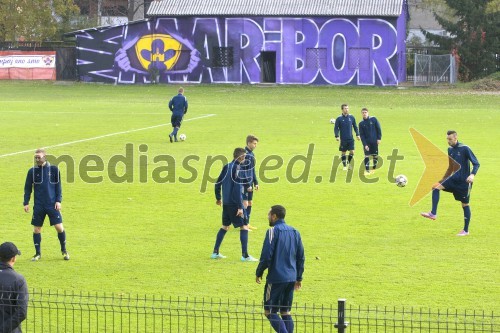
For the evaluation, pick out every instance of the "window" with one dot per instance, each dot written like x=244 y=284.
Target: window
x=316 y=58
x=359 y=58
x=222 y=57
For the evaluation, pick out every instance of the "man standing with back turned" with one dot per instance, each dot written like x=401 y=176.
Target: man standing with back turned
x=283 y=256
x=179 y=107
x=13 y=291
x=231 y=200
x=458 y=179
x=45 y=180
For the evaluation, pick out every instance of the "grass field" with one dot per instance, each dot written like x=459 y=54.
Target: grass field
x=155 y=238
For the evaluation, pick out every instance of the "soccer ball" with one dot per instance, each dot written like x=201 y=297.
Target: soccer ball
x=401 y=180
x=182 y=137
x=332 y=121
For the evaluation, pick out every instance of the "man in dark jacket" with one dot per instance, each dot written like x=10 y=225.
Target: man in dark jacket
x=231 y=200
x=371 y=135
x=250 y=177
x=458 y=179
x=45 y=181
x=179 y=107
x=344 y=124
x=13 y=291
x=283 y=256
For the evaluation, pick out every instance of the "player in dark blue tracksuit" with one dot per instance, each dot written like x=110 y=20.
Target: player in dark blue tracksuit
x=231 y=184
x=458 y=179
x=371 y=135
x=283 y=256
x=179 y=107
x=45 y=180
x=343 y=133
x=249 y=176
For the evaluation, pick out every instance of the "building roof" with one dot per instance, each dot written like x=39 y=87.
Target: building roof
x=276 y=8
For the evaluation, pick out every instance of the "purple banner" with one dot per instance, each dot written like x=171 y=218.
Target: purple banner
x=338 y=51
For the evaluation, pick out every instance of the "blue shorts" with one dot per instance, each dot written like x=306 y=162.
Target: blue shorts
x=346 y=145
x=372 y=149
x=176 y=120
x=39 y=214
x=247 y=195
x=229 y=216
x=278 y=297
x=460 y=189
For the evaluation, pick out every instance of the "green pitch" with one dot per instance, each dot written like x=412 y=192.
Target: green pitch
x=149 y=226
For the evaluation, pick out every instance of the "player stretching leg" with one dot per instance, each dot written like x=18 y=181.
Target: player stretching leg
x=458 y=179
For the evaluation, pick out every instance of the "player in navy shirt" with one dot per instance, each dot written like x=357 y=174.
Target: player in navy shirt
x=251 y=183
x=231 y=184
x=343 y=133
x=371 y=135
x=179 y=107
x=283 y=257
x=45 y=181
x=458 y=179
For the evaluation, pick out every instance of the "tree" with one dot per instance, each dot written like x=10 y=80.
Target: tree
x=35 y=20
x=439 y=7
x=98 y=9
x=474 y=36
x=135 y=9
x=493 y=7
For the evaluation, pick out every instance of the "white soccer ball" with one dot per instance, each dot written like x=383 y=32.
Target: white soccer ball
x=332 y=121
x=182 y=137
x=401 y=180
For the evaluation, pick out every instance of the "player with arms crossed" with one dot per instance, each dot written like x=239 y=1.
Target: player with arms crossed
x=456 y=180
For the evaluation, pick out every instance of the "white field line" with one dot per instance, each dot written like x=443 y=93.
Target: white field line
x=100 y=137
x=85 y=113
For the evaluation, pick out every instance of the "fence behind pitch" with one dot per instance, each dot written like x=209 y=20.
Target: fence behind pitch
x=434 y=69
x=63 y=311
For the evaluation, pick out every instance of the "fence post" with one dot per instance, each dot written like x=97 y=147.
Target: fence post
x=415 y=69
x=341 y=324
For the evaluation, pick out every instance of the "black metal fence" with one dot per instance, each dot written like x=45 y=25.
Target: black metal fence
x=35 y=46
x=50 y=311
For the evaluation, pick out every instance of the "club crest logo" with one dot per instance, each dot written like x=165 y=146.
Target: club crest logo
x=158 y=51
x=48 y=60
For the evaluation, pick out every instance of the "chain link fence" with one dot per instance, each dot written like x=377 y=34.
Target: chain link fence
x=434 y=69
